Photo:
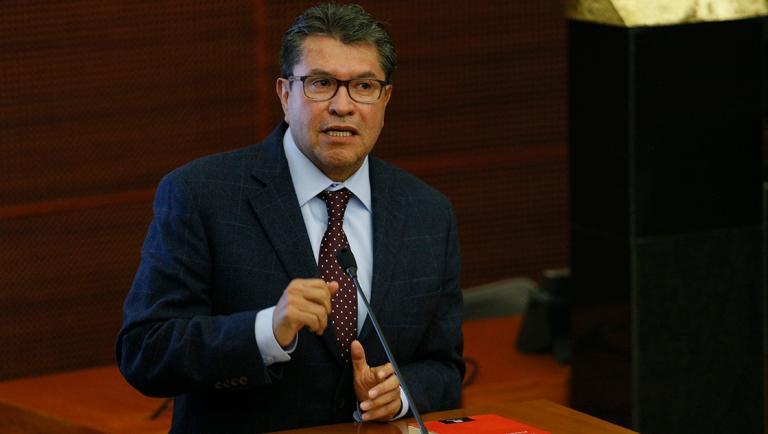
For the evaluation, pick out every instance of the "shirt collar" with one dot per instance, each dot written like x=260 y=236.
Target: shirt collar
x=309 y=181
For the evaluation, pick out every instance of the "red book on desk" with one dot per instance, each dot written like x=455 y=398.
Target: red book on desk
x=481 y=424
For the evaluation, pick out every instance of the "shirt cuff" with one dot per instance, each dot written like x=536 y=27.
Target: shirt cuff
x=405 y=405
x=271 y=351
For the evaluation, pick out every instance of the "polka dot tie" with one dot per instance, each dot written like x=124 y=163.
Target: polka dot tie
x=344 y=302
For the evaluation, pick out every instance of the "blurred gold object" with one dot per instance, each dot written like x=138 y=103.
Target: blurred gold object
x=639 y=13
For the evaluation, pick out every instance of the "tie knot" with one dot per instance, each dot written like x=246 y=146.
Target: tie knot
x=336 y=202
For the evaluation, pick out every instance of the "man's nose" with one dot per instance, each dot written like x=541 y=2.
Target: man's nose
x=342 y=104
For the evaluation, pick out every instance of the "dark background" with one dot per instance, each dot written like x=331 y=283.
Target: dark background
x=100 y=98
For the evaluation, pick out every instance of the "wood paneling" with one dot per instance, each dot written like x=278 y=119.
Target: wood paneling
x=64 y=279
x=15 y=420
x=99 y=96
x=503 y=373
x=99 y=99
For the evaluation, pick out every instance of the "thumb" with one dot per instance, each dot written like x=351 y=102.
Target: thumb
x=333 y=287
x=358 y=356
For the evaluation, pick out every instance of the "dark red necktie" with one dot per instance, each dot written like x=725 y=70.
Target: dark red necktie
x=344 y=302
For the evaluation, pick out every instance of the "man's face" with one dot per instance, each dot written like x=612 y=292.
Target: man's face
x=337 y=134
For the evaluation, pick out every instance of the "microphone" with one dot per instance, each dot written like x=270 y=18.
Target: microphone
x=349 y=265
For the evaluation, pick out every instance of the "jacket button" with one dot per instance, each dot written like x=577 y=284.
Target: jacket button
x=243 y=380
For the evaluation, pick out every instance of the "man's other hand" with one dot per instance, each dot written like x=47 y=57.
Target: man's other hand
x=377 y=388
x=304 y=303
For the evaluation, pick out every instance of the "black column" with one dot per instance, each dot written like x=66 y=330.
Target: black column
x=666 y=181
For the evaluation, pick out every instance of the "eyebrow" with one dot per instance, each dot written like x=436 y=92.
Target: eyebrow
x=366 y=74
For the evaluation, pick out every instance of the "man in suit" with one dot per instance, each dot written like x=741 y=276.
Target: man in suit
x=236 y=309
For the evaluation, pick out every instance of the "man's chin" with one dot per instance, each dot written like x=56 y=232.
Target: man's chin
x=340 y=166
x=329 y=140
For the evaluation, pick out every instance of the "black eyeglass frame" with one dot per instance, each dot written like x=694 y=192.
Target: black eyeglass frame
x=339 y=83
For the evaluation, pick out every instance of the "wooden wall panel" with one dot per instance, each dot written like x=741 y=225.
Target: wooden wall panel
x=65 y=275
x=98 y=99
x=99 y=96
x=503 y=237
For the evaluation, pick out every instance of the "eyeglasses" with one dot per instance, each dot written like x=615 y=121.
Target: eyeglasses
x=323 y=88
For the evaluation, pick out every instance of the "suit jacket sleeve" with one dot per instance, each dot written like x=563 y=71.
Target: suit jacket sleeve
x=171 y=342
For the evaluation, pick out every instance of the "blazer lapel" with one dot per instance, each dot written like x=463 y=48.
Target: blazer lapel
x=276 y=207
x=274 y=202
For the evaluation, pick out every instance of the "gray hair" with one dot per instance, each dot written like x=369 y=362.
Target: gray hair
x=348 y=23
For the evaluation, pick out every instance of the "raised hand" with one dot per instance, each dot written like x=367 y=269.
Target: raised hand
x=377 y=388
x=304 y=303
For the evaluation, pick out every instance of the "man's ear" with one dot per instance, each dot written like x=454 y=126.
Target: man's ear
x=387 y=94
x=283 y=88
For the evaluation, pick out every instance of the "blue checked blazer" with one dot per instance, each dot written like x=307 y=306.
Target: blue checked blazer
x=226 y=239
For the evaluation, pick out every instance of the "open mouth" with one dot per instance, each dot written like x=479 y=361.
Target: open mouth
x=338 y=133
x=340 y=130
